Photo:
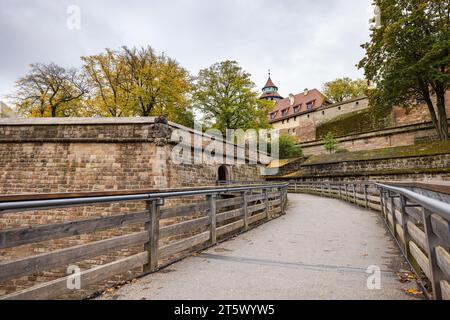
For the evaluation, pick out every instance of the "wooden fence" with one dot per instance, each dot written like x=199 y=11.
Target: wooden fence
x=182 y=230
x=419 y=224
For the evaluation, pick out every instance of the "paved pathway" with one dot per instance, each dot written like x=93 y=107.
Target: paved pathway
x=320 y=250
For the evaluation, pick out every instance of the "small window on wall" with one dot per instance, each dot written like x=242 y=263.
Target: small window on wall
x=357 y=103
x=323 y=112
x=339 y=108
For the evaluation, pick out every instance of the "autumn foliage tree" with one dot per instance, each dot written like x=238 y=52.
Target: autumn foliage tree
x=109 y=83
x=408 y=57
x=49 y=90
x=345 y=88
x=224 y=93
x=158 y=84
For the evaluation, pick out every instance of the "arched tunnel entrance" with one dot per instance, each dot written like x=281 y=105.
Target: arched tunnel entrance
x=223 y=173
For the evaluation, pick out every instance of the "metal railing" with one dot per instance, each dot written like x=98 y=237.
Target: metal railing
x=167 y=233
x=419 y=224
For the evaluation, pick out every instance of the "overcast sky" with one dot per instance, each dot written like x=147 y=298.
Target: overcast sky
x=304 y=43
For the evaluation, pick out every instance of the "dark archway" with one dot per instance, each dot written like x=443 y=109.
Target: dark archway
x=222 y=174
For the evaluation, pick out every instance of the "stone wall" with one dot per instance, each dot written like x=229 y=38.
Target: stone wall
x=75 y=155
x=304 y=125
x=420 y=162
x=390 y=137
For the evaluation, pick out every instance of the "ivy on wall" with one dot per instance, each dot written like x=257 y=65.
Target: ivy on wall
x=354 y=123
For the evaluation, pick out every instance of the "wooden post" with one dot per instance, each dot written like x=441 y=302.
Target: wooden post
x=386 y=196
x=212 y=217
x=152 y=227
x=405 y=226
x=295 y=186
x=245 y=209
x=366 y=200
x=432 y=242
x=354 y=193
x=340 y=191
x=394 y=220
x=266 y=201
x=346 y=192
x=382 y=201
x=281 y=200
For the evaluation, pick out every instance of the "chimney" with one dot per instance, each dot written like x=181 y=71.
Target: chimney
x=291 y=99
x=306 y=91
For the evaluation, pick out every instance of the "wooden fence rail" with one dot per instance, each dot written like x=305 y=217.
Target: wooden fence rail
x=168 y=233
x=420 y=225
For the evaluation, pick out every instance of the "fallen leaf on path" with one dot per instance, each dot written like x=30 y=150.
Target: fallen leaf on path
x=413 y=292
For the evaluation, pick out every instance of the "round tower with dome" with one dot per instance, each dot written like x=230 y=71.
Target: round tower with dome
x=270 y=91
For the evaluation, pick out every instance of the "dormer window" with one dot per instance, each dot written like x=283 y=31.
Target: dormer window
x=284 y=112
x=296 y=109
x=310 y=105
x=272 y=115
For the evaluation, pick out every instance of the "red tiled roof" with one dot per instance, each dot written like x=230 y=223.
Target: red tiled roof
x=300 y=100
x=271 y=95
x=269 y=83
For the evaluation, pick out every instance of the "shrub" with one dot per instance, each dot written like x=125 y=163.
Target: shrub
x=288 y=147
x=330 y=143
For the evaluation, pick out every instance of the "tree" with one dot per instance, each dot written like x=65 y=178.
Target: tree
x=330 y=143
x=288 y=148
x=49 y=90
x=110 y=84
x=225 y=95
x=408 y=57
x=343 y=89
x=159 y=85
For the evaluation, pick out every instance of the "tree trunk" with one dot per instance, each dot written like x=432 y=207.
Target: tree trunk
x=434 y=119
x=53 y=112
x=442 y=114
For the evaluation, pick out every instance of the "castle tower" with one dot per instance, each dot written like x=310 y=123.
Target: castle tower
x=270 y=91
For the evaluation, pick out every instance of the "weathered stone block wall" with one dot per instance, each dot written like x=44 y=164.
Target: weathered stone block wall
x=414 y=168
x=428 y=164
x=392 y=137
x=74 y=155
x=417 y=114
x=329 y=113
x=304 y=126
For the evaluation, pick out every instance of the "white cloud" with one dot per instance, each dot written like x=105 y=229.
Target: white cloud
x=304 y=43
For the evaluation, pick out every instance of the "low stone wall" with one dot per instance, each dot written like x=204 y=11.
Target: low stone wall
x=421 y=162
x=390 y=137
